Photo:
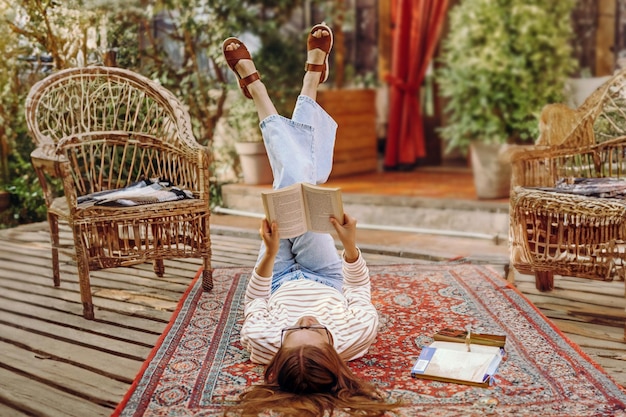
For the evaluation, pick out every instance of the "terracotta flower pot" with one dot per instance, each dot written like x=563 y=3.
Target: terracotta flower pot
x=5 y=200
x=255 y=165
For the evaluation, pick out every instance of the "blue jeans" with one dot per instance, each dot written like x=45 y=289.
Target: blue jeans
x=300 y=149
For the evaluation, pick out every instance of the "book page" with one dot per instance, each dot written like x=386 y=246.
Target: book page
x=451 y=360
x=285 y=206
x=321 y=203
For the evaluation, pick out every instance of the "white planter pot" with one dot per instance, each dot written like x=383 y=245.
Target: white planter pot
x=492 y=175
x=578 y=89
x=255 y=165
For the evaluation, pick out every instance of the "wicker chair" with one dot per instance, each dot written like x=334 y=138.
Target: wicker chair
x=572 y=235
x=101 y=128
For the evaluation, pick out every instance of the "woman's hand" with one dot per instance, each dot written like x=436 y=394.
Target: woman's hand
x=346 y=231
x=269 y=234
x=271 y=239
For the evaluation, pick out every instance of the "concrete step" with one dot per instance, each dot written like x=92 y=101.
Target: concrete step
x=453 y=217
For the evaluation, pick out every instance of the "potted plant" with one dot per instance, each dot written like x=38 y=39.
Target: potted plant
x=502 y=61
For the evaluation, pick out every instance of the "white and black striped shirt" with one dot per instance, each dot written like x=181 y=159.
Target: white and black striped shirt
x=350 y=316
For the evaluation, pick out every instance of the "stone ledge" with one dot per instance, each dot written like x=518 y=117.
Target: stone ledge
x=462 y=216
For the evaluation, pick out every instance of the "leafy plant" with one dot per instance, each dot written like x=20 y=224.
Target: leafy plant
x=19 y=69
x=176 y=42
x=242 y=120
x=502 y=61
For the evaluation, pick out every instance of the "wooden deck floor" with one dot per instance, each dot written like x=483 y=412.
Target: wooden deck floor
x=55 y=363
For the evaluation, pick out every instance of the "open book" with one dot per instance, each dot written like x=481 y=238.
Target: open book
x=302 y=207
x=460 y=362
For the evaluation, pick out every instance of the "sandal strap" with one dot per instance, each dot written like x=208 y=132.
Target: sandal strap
x=315 y=67
x=244 y=82
x=324 y=43
x=232 y=57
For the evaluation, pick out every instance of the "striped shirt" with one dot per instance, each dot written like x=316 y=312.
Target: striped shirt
x=350 y=316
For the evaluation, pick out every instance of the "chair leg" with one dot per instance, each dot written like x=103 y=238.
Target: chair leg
x=207 y=276
x=53 y=222
x=544 y=280
x=159 y=267
x=85 y=291
x=83 y=276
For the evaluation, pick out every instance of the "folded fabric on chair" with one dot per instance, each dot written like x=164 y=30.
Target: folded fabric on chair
x=142 y=192
x=591 y=187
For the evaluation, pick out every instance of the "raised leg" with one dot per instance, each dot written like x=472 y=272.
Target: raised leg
x=319 y=45
x=240 y=61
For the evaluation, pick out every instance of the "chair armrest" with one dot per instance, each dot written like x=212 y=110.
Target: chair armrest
x=46 y=164
x=46 y=159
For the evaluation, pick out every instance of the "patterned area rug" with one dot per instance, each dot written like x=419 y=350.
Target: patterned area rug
x=199 y=364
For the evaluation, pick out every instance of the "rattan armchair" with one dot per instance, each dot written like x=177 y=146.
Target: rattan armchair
x=553 y=233
x=101 y=128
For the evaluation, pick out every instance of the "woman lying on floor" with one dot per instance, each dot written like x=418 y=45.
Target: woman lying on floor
x=307 y=310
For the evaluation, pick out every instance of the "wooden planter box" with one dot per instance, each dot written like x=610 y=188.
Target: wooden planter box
x=354 y=110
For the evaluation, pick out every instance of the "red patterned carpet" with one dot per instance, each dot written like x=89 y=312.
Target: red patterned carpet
x=199 y=365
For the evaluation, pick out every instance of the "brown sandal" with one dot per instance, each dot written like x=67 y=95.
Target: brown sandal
x=233 y=57
x=324 y=43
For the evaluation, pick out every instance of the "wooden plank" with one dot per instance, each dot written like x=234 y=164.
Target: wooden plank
x=357 y=129
x=576 y=297
x=8 y=411
x=69 y=292
x=62 y=332
x=355 y=112
x=582 y=315
x=233 y=255
x=354 y=153
x=348 y=101
x=600 y=336
x=119 y=318
x=115 y=279
x=134 y=279
x=349 y=168
x=105 y=363
x=137 y=336
x=580 y=284
x=71 y=379
x=34 y=398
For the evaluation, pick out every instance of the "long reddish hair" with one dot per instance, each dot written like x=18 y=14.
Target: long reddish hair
x=307 y=381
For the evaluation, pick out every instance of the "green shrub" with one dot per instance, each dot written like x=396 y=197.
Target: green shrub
x=502 y=61
x=175 y=42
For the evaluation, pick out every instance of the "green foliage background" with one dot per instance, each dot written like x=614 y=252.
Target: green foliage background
x=176 y=42
x=502 y=61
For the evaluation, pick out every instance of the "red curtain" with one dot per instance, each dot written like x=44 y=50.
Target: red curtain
x=417 y=26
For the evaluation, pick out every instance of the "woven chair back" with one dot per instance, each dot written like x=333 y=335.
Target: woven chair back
x=104 y=99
